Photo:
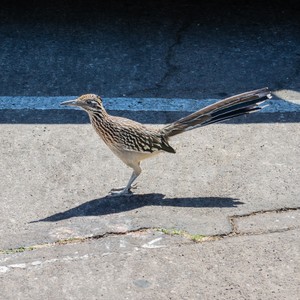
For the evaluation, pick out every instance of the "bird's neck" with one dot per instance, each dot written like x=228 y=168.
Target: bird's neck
x=99 y=114
x=102 y=124
x=99 y=118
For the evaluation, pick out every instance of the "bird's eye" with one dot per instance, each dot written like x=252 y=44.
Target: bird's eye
x=92 y=102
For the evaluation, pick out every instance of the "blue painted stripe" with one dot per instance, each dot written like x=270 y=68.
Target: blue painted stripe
x=136 y=104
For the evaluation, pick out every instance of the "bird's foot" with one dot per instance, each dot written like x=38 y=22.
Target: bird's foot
x=124 y=188
x=123 y=191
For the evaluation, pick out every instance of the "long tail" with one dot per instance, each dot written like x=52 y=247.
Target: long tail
x=225 y=109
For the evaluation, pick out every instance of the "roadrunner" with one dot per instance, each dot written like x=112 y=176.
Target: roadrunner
x=132 y=141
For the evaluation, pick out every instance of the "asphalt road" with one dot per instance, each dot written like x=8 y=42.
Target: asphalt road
x=179 y=49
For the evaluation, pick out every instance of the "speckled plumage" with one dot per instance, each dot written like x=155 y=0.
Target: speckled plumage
x=132 y=141
x=129 y=135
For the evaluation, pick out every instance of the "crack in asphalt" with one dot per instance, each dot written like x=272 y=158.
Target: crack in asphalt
x=171 y=68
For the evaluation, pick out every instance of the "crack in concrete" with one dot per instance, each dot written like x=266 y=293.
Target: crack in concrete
x=74 y=240
x=235 y=231
x=195 y=238
x=276 y=210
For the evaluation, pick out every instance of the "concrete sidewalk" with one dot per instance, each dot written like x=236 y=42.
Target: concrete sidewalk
x=217 y=220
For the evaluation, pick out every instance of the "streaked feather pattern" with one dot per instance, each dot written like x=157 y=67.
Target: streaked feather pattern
x=225 y=109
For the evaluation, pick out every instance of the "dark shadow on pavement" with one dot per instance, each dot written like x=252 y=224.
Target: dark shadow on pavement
x=111 y=205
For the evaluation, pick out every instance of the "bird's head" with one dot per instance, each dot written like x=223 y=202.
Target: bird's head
x=88 y=102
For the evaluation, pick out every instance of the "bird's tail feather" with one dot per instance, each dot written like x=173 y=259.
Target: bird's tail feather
x=225 y=109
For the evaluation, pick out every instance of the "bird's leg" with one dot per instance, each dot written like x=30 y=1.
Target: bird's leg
x=125 y=190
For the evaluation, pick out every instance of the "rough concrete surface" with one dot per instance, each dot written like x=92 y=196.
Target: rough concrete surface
x=58 y=225
x=55 y=179
x=149 y=265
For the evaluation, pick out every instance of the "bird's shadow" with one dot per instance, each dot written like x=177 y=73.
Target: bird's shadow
x=112 y=205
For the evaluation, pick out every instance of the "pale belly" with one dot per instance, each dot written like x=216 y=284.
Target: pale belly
x=131 y=158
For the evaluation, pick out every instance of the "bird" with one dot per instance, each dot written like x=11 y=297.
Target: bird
x=133 y=142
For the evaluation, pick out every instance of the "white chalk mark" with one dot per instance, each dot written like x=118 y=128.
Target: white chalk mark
x=150 y=245
x=18 y=266
x=3 y=269
x=122 y=244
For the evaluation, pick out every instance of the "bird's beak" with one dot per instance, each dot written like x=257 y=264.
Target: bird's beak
x=70 y=103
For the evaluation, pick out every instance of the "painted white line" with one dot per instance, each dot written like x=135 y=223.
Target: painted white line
x=136 y=104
